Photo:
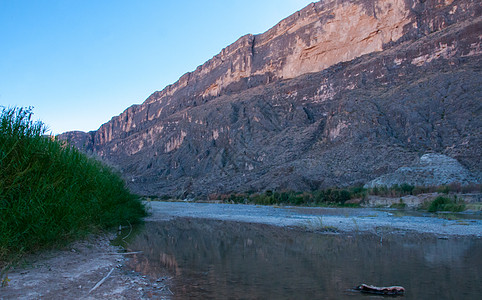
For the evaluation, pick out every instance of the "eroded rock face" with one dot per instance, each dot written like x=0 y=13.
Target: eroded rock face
x=339 y=93
x=82 y=140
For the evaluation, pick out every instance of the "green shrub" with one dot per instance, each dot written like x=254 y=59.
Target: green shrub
x=444 y=189
x=399 y=205
x=442 y=203
x=337 y=196
x=50 y=192
x=407 y=188
x=358 y=192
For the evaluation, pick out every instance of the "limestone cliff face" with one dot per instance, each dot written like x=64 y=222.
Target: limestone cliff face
x=319 y=36
x=310 y=85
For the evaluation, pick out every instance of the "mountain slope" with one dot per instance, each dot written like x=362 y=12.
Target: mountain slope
x=336 y=94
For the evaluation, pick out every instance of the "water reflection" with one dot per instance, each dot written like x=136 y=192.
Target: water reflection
x=227 y=260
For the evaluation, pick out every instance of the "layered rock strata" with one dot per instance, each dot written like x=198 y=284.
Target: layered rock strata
x=338 y=93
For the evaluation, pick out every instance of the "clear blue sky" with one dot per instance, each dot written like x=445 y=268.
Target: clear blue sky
x=81 y=62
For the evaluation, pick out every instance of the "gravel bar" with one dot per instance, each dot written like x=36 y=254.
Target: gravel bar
x=338 y=219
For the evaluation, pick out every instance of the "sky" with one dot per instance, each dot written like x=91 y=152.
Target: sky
x=78 y=63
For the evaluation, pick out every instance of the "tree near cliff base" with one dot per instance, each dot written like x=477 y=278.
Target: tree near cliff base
x=50 y=192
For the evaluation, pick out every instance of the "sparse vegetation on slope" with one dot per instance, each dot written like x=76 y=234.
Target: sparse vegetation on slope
x=50 y=192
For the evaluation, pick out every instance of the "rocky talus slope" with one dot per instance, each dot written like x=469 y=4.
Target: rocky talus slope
x=430 y=170
x=337 y=94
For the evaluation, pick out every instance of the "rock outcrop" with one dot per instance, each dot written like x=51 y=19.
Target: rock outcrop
x=339 y=93
x=430 y=170
x=80 y=139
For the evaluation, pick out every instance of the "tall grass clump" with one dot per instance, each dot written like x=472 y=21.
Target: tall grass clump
x=50 y=192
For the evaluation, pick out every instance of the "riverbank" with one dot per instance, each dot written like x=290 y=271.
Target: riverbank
x=72 y=272
x=318 y=218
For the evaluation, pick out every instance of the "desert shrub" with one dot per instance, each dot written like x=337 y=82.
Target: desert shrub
x=399 y=205
x=444 y=189
x=406 y=188
x=358 y=192
x=442 y=203
x=237 y=198
x=50 y=192
x=379 y=191
x=421 y=190
x=337 y=196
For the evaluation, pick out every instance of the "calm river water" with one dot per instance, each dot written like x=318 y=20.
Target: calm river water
x=211 y=259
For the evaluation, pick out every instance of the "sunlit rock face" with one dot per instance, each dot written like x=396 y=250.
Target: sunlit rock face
x=337 y=94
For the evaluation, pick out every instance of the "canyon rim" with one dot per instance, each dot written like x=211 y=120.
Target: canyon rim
x=337 y=94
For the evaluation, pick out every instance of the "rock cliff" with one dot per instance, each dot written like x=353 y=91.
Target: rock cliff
x=339 y=93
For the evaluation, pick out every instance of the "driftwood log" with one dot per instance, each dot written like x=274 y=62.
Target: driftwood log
x=102 y=281
x=381 y=290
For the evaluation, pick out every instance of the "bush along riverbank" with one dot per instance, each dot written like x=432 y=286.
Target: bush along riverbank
x=418 y=197
x=51 y=193
x=345 y=197
x=442 y=203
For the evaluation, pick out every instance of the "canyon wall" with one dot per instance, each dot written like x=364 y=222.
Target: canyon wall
x=336 y=94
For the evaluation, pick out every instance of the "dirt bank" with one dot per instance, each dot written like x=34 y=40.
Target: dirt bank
x=72 y=272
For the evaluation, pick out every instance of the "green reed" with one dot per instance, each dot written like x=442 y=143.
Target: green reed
x=51 y=193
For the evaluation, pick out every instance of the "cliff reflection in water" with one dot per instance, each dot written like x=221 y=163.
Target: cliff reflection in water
x=220 y=260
